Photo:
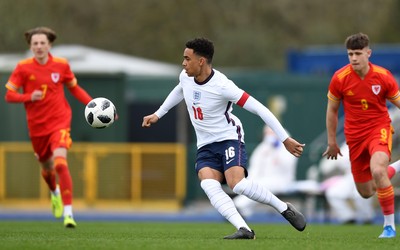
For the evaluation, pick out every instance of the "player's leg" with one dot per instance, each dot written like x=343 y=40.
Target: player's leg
x=369 y=163
x=210 y=170
x=65 y=180
x=258 y=192
x=393 y=169
x=60 y=143
x=42 y=149
x=56 y=201
x=385 y=191
x=385 y=196
x=43 y=153
x=375 y=180
x=49 y=176
x=211 y=184
x=235 y=175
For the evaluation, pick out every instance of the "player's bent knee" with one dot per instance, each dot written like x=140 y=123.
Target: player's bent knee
x=366 y=194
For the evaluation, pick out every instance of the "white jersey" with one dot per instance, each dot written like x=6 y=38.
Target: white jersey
x=209 y=105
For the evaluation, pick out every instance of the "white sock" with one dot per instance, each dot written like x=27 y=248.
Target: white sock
x=68 y=211
x=223 y=203
x=257 y=192
x=396 y=166
x=389 y=221
x=57 y=191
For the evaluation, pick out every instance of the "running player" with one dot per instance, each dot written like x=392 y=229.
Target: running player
x=363 y=88
x=42 y=79
x=221 y=154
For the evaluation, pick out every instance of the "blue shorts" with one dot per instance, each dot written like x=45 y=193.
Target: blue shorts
x=222 y=155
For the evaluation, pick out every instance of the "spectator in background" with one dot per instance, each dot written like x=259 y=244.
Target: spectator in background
x=270 y=164
x=347 y=206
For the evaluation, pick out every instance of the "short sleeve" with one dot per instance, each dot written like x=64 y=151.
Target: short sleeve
x=335 y=93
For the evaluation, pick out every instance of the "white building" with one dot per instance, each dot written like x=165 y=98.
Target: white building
x=90 y=60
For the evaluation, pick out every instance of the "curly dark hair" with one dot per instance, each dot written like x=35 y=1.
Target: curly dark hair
x=51 y=35
x=202 y=47
x=357 y=41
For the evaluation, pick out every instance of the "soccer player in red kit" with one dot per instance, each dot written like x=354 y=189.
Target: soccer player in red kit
x=363 y=88
x=42 y=79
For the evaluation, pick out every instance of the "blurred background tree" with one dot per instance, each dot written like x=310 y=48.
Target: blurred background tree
x=247 y=33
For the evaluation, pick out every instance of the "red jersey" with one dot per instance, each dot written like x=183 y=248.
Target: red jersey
x=364 y=100
x=53 y=111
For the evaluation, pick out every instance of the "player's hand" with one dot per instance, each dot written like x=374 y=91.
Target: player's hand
x=148 y=120
x=36 y=95
x=293 y=146
x=332 y=152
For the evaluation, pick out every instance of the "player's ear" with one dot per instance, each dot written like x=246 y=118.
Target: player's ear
x=202 y=61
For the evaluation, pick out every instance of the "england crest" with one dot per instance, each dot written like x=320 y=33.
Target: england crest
x=376 y=89
x=196 y=95
x=55 y=77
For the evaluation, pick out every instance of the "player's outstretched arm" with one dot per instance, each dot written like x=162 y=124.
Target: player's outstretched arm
x=293 y=146
x=80 y=94
x=149 y=119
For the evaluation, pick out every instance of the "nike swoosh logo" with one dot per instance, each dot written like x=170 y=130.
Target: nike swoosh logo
x=227 y=162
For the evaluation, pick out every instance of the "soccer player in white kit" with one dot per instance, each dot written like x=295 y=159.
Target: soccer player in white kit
x=221 y=156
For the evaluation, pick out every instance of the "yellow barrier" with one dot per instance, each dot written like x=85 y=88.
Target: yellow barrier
x=113 y=175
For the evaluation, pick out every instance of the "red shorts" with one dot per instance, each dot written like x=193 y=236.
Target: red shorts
x=361 y=152
x=43 y=146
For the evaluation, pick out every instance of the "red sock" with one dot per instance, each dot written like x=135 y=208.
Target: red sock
x=61 y=166
x=391 y=171
x=49 y=177
x=386 y=199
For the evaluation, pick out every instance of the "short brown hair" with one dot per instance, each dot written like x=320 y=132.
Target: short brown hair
x=51 y=35
x=357 y=41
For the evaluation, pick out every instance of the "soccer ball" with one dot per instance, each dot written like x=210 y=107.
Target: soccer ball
x=100 y=112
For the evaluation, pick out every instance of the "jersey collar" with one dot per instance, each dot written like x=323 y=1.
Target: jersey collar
x=206 y=80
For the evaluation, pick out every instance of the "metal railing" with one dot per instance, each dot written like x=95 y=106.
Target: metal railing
x=134 y=174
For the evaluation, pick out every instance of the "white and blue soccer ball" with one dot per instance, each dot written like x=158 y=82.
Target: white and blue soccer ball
x=100 y=113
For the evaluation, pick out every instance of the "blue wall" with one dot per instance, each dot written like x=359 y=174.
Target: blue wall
x=325 y=60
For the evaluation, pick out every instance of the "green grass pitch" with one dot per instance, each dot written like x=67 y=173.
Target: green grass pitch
x=186 y=235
